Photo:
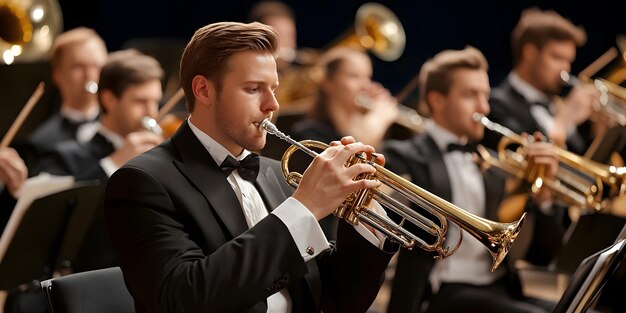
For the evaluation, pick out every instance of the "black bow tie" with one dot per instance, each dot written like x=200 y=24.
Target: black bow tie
x=468 y=147
x=248 y=168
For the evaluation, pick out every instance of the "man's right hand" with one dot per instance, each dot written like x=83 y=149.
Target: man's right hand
x=578 y=106
x=327 y=182
x=134 y=144
x=13 y=171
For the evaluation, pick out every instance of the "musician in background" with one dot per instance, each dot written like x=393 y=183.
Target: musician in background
x=544 y=44
x=77 y=57
x=130 y=89
x=454 y=85
x=280 y=17
x=335 y=113
x=13 y=173
x=348 y=102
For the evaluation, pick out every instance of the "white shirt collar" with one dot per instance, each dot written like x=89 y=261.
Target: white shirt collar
x=111 y=136
x=530 y=93
x=79 y=116
x=443 y=137
x=217 y=151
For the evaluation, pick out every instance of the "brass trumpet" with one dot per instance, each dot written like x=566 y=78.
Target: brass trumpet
x=612 y=101
x=497 y=237
x=579 y=181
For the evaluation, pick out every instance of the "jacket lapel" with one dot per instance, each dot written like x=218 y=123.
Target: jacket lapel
x=198 y=166
x=436 y=168
x=268 y=186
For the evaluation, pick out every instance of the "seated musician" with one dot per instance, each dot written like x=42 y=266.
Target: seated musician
x=348 y=75
x=454 y=85
x=544 y=44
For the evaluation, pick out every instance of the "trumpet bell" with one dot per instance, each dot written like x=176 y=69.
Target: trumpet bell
x=497 y=237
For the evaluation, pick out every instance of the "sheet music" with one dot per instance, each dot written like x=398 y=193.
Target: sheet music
x=34 y=188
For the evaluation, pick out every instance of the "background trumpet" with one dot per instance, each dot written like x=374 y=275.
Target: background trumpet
x=579 y=181
x=497 y=237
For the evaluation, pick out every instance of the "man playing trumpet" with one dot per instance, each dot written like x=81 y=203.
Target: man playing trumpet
x=454 y=86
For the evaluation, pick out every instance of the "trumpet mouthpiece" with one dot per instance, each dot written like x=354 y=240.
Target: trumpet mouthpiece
x=477 y=117
x=91 y=87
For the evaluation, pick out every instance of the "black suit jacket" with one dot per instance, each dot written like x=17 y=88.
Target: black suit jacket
x=184 y=245
x=509 y=108
x=79 y=160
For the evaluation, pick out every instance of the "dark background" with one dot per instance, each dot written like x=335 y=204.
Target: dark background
x=430 y=27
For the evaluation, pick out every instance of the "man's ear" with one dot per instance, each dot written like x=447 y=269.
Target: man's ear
x=529 y=51
x=107 y=99
x=436 y=102
x=203 y=90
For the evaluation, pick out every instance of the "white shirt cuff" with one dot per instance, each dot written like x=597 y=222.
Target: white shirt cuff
x=108 y=166
x=304 y=228
x=377 y=238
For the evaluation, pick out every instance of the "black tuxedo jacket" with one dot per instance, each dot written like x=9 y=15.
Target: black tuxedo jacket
x=184 y=245
x=79 y=160
x=509 y=108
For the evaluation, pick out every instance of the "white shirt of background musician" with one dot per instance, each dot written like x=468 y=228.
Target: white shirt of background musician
x=471 y=263
x=85 y=132
x=543 y=115
x=117 y=141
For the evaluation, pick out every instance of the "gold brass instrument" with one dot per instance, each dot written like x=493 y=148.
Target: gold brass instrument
x=28 y=29
x=497 y=237
x=612 y=101
x=407 y=117
x=376 y=29
x=579 y=181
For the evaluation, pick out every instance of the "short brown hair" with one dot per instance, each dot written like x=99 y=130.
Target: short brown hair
x=125 y=68
x=538 y=27
x=211 y=47
x=436 y=73
x=72 y=38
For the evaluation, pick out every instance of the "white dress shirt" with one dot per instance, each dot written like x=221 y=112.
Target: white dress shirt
x=472 y=262
x=85 y=132
x=544 y=116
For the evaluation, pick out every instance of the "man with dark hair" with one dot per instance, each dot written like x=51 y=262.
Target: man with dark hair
x=130 y=90
x=544 y=44
x=454 y=86
x=196 y=236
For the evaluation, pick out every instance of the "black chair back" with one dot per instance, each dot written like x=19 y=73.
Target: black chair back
x=99 y=291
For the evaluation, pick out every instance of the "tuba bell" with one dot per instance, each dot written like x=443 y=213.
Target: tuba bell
x=376 y=29
x=497 y=237
x=28 y=28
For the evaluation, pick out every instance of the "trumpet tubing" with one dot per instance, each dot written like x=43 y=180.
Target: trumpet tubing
x=579 y=181
x=497 y=237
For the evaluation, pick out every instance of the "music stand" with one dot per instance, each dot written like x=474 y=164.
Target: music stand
x=51 y=230
x=590 y=278
x=592 y=233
